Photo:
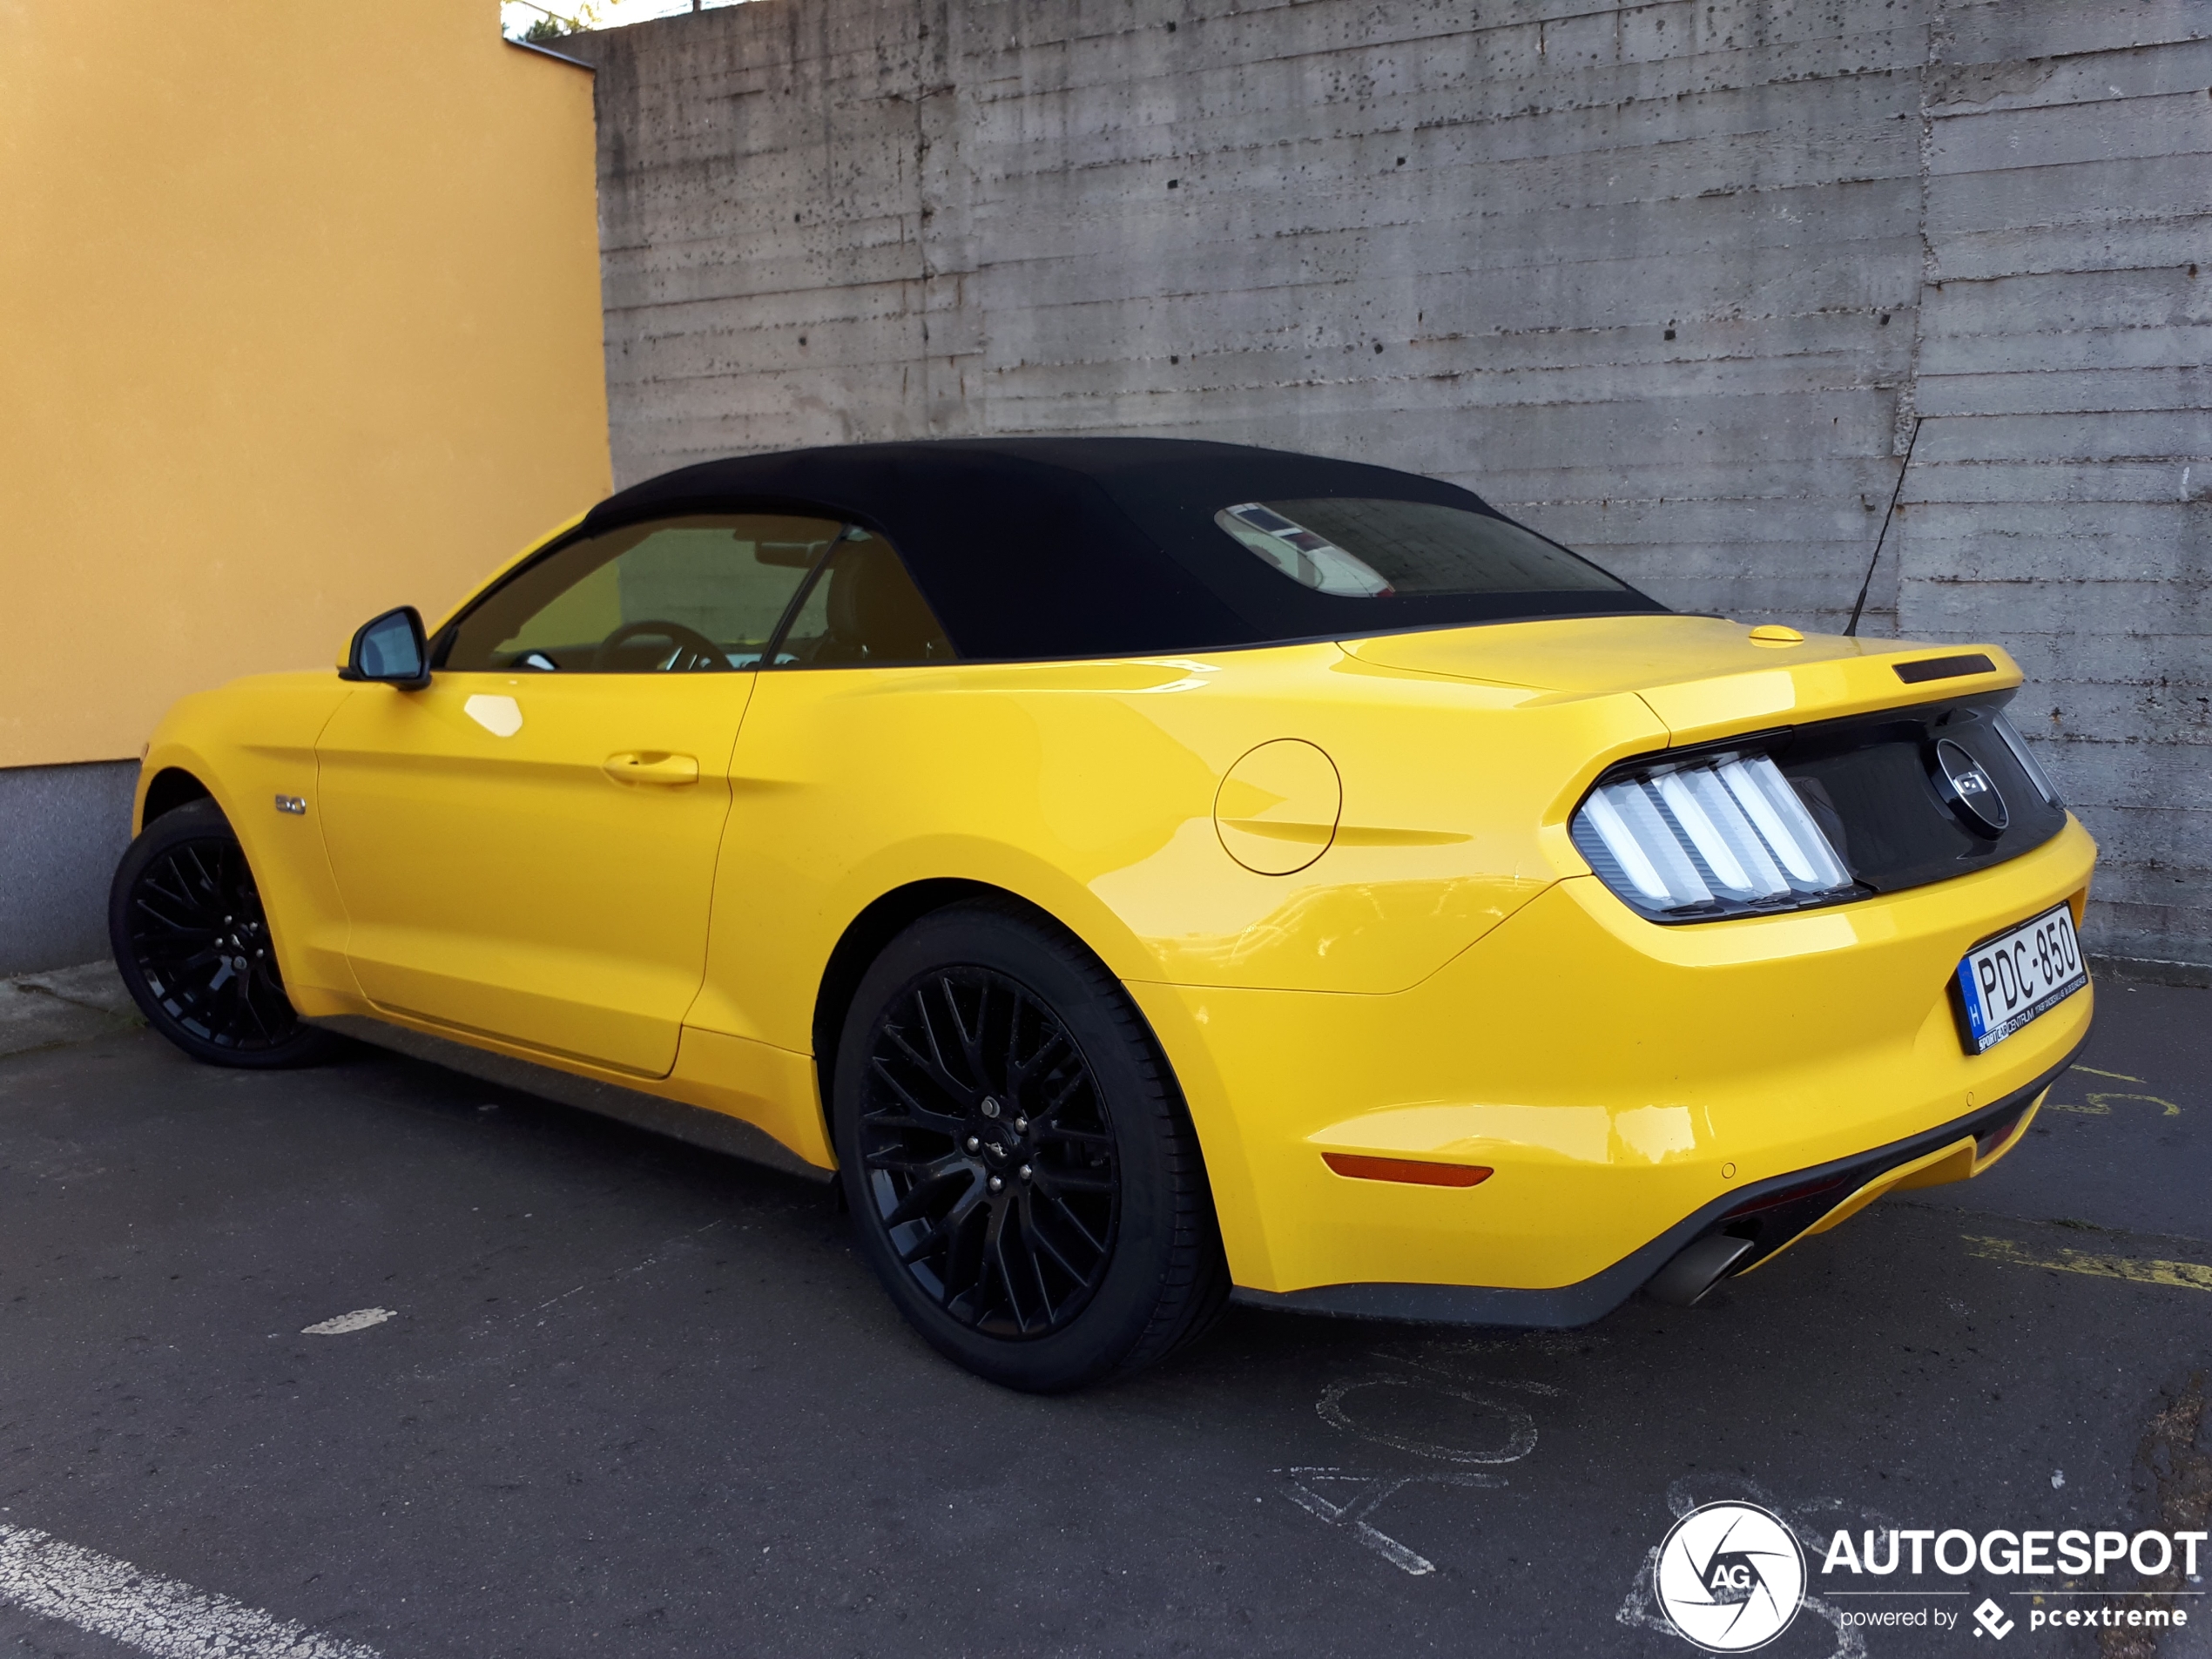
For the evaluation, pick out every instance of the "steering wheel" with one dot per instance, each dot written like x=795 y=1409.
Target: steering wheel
x=693 y=649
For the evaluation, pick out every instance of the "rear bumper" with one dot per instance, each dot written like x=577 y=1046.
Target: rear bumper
x=1771 y=1216
x=1633 y=1087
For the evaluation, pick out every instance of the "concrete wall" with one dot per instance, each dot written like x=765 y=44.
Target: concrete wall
x=65 y=828
x=1671 y=281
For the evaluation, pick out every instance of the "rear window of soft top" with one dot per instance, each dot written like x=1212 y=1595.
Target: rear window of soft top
x=1357 y=548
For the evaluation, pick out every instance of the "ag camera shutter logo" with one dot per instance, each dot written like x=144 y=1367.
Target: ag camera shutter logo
x=1730 y=1577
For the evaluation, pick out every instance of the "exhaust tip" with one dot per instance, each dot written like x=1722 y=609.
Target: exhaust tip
x=1683 y=1282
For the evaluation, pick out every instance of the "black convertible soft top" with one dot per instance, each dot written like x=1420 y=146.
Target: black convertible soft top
x=1041 y=548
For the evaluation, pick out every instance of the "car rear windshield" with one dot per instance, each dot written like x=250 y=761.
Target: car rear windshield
x=1378 y=550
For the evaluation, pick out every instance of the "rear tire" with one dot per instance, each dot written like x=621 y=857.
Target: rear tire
x=185 y=923
x=982 y=1046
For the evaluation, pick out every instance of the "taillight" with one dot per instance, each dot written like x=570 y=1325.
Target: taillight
x=1721 y=835
x=2029 y=764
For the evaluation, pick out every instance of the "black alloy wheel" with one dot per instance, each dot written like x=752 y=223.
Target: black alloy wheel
x=186 y=921
x=1021 y=1173
x=987 y=1152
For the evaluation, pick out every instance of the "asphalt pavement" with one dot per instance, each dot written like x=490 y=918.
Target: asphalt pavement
x=606 y=1395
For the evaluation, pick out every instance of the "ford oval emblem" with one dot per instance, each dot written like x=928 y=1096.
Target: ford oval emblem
x=1970 y=791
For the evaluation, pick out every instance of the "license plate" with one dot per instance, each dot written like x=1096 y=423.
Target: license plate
x=2016 y=977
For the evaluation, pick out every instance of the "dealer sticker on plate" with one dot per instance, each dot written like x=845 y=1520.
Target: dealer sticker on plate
x=2016 y=977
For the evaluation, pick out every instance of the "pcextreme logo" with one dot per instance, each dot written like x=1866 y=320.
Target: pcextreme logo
x=1730 y=1577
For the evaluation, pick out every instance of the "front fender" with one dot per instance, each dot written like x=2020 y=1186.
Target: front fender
x=247 y=743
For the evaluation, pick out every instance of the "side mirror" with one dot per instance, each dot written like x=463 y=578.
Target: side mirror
x=390 y=649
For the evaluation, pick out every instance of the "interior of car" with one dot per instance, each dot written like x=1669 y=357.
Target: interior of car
x=702 y=593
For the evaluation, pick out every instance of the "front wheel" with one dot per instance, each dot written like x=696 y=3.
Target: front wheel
x=184 y=921
x=1021 y=1174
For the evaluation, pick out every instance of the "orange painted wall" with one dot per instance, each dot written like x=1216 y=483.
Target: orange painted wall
x=299 y=319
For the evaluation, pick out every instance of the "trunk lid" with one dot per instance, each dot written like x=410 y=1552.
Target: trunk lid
x=1703 y=676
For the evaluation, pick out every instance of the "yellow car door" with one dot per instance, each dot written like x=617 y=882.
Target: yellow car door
x=526 y=845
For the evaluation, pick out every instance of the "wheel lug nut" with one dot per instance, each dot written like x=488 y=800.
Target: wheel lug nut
x=1025 y=1173
x=1020 y=1126
x=996 y=1183
x=990 y=1107
x=975 y=1146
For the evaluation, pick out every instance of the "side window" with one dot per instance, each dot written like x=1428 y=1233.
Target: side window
x=863 y=611
x=677 y=595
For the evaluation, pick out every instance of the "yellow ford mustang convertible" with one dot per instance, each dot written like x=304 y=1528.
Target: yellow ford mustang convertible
x=1152 y=872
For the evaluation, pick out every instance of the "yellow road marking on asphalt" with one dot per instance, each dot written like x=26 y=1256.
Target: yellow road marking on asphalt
x=2093 y=1072
x=2188 y=1276
x=2099 y=1105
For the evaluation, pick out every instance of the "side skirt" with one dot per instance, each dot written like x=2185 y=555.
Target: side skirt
x=695 y=1125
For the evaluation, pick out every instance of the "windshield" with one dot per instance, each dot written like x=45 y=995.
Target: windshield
x=1359 y=548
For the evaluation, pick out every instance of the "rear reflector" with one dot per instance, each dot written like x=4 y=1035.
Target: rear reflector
x=1996 y=1134
x=1834 y=1185
x=1360 y=1167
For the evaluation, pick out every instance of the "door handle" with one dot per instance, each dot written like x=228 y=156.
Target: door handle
x=652 y=766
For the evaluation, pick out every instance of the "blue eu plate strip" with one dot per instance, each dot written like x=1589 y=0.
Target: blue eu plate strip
x=1972 y=995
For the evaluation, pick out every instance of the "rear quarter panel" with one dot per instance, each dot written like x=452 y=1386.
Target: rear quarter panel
x=1089 y=790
